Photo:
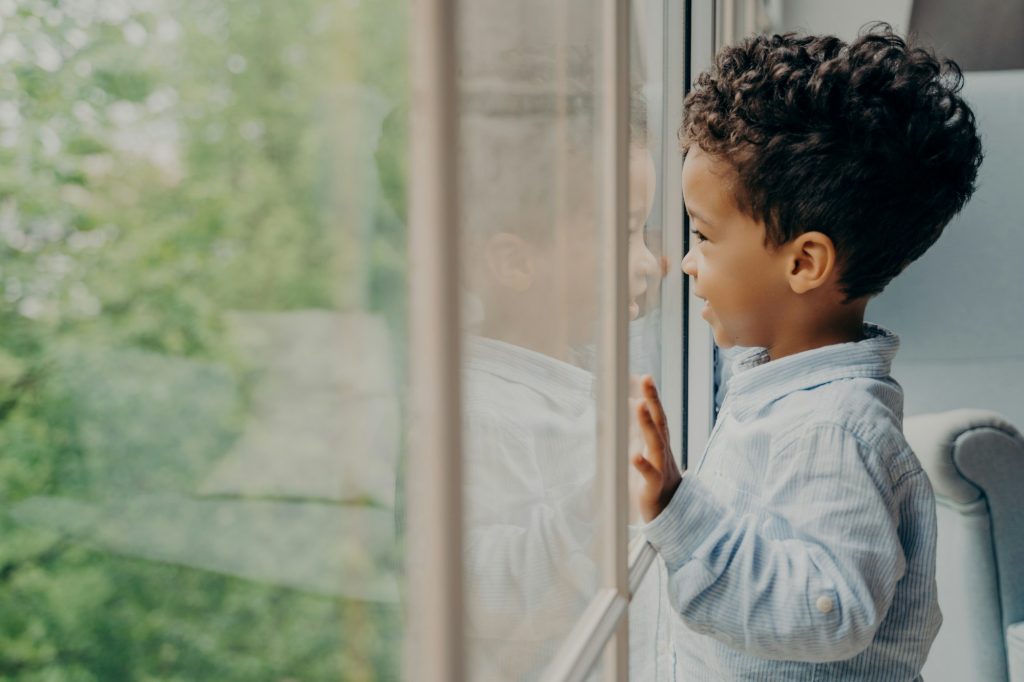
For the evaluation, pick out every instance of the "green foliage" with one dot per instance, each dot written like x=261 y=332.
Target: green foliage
x=162 y=164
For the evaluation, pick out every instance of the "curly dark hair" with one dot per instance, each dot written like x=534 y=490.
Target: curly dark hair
x=867 y=142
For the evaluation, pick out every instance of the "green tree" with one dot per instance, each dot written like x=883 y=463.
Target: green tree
x=165 y=164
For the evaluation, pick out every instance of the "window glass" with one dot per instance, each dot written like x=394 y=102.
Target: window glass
x=202 y=348
x=649 y=646
x=647 y=264
x=530 y=160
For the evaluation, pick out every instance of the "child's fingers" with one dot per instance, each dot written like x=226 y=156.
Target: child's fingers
x=646 y=469
x=654 y=405
x=652 y=437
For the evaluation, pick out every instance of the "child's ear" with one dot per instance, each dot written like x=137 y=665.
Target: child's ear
x=510 y=260
x=811 y=260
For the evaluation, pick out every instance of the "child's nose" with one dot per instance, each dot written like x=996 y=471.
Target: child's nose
x=690 y=264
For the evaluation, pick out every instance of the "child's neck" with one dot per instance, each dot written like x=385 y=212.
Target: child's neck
x=840 y=325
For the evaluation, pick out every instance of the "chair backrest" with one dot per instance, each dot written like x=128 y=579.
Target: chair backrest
x=975 y=460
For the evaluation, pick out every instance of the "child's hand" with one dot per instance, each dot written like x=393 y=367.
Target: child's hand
x=660 y=473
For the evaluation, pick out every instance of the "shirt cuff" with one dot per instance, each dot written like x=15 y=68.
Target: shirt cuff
x=685 y=523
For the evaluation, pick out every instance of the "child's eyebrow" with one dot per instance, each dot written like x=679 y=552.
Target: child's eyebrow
x=694 y=215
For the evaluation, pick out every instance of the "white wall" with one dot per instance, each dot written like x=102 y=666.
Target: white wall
x=842 y=17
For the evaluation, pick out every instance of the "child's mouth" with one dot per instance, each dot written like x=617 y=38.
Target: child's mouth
x=634 y=310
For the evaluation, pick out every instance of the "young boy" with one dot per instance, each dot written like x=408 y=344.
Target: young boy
x=802 y=544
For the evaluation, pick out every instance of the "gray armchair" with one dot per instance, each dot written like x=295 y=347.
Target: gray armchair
x=975 y=460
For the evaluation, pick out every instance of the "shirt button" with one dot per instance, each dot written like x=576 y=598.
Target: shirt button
x=824 y=604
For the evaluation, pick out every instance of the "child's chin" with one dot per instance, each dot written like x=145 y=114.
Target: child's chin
x=721 y=339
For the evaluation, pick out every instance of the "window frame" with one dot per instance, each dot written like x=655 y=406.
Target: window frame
x=699 y=405
x=434 y=643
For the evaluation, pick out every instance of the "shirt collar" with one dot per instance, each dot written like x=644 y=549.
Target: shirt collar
x=555 y=380
x=756 y=381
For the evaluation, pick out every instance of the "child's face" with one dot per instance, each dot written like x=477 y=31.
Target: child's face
x=643 y=265
x=742 y=281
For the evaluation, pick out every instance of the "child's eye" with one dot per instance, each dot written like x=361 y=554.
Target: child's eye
x=700 y=237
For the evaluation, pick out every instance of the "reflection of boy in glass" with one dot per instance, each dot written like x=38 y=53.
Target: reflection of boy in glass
x=529 y=407
x=802 y=544
x=538 y=284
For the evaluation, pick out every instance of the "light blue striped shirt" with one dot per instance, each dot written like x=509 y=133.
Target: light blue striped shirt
x=802 y=544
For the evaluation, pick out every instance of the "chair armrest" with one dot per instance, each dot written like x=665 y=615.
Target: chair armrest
x=937 y=438
x=974 y=455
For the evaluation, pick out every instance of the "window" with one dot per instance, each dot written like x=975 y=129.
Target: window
x=252 y=426
x=549 y=273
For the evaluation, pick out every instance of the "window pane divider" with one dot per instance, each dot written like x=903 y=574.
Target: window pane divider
x=641 y=558
x=613 y=339
x=671 y=385
x=434 y=642
x=585 y=645
x=700 y=345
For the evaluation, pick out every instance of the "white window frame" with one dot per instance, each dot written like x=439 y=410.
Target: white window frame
x=435 y=648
